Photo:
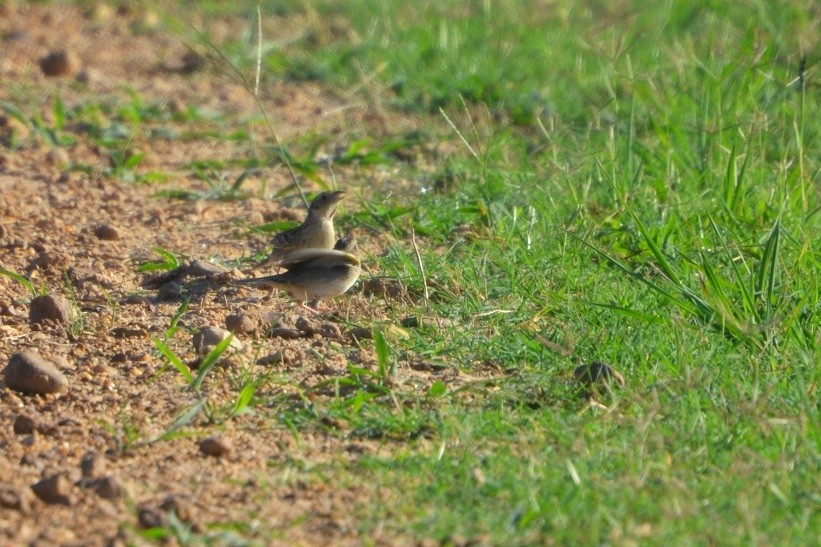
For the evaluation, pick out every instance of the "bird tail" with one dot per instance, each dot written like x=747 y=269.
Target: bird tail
x=269 y=281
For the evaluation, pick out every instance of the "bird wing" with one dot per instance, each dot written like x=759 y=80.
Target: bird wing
x=324 y=257
x=288 y=239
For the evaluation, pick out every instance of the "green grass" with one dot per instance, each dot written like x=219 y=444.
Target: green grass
x=636 y=183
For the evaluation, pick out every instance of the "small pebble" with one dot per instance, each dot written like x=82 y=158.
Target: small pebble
x=24 y=425
x=242 y=323
x=208 y=337
x=108 y=488
x=330 y=331
x=192 y=62
x=306 y=326
x=55 y=489
x=52 y=308
x=28 y=372
x=92 y=465
x=215 y=446
x=170 y=291
x=411 y=322
x=107 y=232
x=129 y=332
x=386 y=288
x=59 y=63
x=149 y=517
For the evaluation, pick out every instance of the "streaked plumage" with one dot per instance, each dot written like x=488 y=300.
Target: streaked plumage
x=316 y=232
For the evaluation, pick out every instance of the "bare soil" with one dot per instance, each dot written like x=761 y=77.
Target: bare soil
x=116 y=400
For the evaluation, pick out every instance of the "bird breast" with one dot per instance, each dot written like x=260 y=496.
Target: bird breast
x=322 y=238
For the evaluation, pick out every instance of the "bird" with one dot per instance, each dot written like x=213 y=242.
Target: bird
x=312 y=274
x=346 y=243
x=316 y=232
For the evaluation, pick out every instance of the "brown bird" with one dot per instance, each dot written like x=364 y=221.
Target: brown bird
x=312 y=274
x=347 y=243
x=316 y=232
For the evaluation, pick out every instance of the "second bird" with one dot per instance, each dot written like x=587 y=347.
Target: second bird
x=316 y=232
x=312 y=274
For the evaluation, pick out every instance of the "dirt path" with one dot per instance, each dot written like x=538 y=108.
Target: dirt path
x=81 y=234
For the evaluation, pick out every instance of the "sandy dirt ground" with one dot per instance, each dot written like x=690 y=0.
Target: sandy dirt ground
x=78 y=232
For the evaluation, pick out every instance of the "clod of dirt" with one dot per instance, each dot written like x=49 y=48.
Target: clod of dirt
x=285 y=332
x=411 y=322
x=242 y=323
x=170 y=291
x=28 y=372
x=192 y=62
x=330 y=331
x=50 y=308
x=208 y=337
x=108 y=487
x=201 y=268
x=597 y=374
x=385 y=288
x=360 y=333
x=59 y=63
x=92 y=465
x=55 y=489
x=129 y=332
x=24 y=425
x=150 y=517
x=107 y=232
x=12 y=499
x=215 y=446
x=306 y=326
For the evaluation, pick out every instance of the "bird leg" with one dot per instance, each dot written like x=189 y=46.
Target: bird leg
x=313 y=307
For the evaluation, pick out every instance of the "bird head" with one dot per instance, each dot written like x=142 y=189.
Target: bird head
x=324 y=204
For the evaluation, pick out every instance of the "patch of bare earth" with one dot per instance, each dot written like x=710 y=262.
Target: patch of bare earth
x=77 y=466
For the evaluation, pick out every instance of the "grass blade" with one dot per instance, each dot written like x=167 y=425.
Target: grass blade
x=174 y=359
x=209 y=361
